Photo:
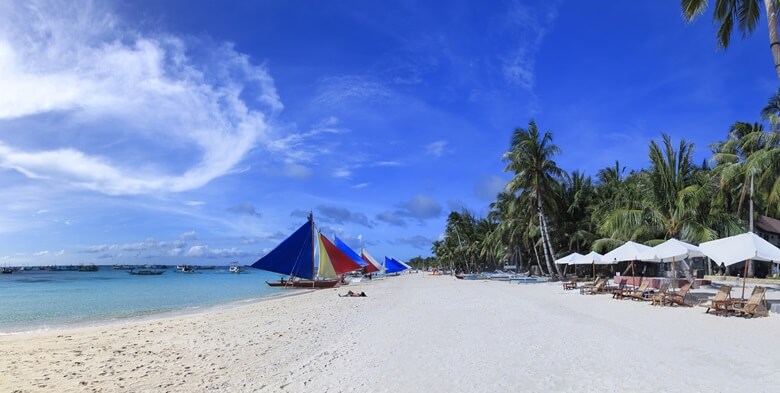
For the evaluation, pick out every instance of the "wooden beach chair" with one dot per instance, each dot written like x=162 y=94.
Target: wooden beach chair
x=724 y=294
x=569 y=285
x=621 y=289
x=677 y=299
x=637 y=293
x=657 y=298
x=592 y=289
x=755 y=306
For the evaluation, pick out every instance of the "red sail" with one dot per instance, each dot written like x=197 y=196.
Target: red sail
x=342 y=263
x=370 y=268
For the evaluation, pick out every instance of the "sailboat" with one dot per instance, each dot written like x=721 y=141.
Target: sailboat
x=295 y=256
x=372 y=266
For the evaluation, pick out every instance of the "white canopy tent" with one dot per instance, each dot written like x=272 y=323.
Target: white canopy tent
x=568 y=259
x=672 y=250
x=592 y=258
x=629 y=251
x=740 y=248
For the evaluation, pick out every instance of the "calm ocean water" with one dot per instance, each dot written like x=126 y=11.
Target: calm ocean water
x=32 y=300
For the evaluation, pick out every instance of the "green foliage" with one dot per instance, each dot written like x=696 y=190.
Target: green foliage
x=673 y=197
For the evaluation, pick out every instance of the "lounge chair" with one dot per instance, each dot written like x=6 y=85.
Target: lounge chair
x=678 y=298
x=621 y=290
x=723 y=295
x=569 y=285
x=592 y=289
x=621 y=285
x=636 y=293
x=755 y=306
x=658 y=297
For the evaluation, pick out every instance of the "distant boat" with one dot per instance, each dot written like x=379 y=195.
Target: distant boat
x=295 y=257
x=6 y=270
x=146 y=272
x=185 y=269
x=234 y=268
x=88 y=268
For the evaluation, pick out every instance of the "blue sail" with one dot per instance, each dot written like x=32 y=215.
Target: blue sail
x=293 y=256
x=350 y=252
x=393 y=266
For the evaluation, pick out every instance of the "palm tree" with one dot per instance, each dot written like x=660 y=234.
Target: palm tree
x=745 y=13
x=535 y=173
x=676 y=200
x=749 y=151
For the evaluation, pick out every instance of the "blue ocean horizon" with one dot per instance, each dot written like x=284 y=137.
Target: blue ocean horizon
x=39 y=300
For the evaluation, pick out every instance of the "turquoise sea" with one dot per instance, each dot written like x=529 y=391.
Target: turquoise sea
x=38 y=299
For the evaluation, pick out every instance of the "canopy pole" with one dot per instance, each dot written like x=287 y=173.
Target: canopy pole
x=744 y=278
x=594 y=270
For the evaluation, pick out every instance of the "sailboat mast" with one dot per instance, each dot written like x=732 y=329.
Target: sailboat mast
x=313 y=234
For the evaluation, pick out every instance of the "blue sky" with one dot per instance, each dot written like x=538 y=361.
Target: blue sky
x=203 y=132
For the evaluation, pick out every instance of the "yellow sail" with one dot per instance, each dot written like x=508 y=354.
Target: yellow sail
x=325 y=269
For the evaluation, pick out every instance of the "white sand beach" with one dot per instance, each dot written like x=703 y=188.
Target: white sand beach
x=414 y=333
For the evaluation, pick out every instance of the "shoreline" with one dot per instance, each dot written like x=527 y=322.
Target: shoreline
x=153 y=315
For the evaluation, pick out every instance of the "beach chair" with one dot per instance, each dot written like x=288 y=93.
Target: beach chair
x=755 y=306
x=636 y=293
x=569 y=285
x=723 y=295
x=677 y=299
x=657 y=298
x=621 y=290
x=592 y=289
x=621 y=284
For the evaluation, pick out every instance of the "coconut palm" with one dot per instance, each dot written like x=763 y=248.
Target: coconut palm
x=530 y=159
x=675 y=202
x=745 y=13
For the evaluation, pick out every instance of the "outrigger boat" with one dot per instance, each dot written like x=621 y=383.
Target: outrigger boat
x=295 y=257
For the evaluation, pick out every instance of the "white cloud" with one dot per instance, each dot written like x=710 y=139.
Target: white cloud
x=41 y=253
x=360 y=185
x=527 y=25
x=60 y=252
x=108 y=82
x=388 y=163
x=337 y=90
x=191 y=235
x=194 y=203
x=297 y=171
x=342 y=173
x=437 y=149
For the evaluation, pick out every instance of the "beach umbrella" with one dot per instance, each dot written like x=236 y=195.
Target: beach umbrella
x=744 y=247
x=672 y=250
x=629 y=251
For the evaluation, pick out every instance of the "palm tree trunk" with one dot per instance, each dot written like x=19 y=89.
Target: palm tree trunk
x=549 y=246
x=538 y=263
x=774 y=42
x=544 y=238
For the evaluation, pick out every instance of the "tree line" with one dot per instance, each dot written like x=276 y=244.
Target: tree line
x=546 y=212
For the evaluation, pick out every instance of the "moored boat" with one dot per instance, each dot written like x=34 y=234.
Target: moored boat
x=145 y=272
x=295 y=257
